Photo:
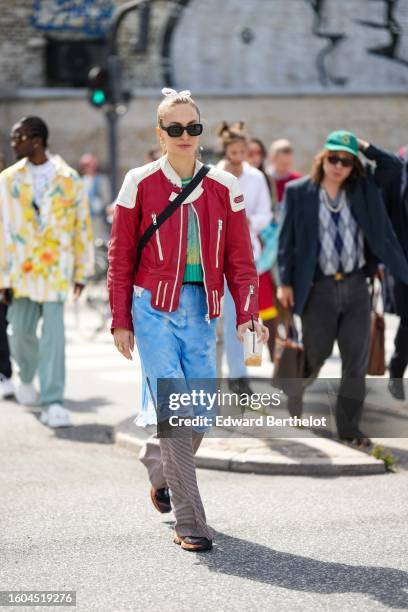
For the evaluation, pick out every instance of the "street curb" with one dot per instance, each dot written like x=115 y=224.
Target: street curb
x=355 y=463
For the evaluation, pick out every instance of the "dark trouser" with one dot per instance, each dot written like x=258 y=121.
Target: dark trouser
x=340 y=310
x=399 y=360
x=5 y=363
x=272 y=325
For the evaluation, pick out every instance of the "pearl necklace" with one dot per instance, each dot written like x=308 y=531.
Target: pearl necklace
x=333 y=209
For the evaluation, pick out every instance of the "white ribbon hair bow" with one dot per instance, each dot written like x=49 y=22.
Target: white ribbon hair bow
x=166 y=91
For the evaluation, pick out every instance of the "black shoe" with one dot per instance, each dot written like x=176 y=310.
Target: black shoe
x=239 y=386
x=359 y=441
x=295 y=405
x=396 y=388
x=362 y=443
x=161 y=499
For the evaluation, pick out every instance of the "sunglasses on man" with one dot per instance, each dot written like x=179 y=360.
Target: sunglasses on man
x=344 y=161
x=176 y=129
x=18 y=138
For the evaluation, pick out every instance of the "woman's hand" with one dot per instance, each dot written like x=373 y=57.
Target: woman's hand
x=262 y=332
x=362 y=144
x=78 y=289
x=124 y=341
x=285 y=296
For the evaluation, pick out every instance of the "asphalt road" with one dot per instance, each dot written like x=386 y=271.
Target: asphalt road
x=76 y=516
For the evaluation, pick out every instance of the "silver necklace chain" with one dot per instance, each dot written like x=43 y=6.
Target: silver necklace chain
x=326 y=202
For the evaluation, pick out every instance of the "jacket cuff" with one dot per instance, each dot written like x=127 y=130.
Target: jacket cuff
x=123 y=323
x=371 y=152
x=244 y=318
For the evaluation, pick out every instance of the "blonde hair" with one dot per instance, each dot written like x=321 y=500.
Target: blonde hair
x=282 y=144
x=171 y=98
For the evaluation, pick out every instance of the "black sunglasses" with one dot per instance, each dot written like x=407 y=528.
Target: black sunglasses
x=344 y=161
x=176 y=130
x=17 y=138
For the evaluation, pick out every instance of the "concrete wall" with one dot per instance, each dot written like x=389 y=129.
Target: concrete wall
x=294 y=46
x=77 y=128
x=252 y=46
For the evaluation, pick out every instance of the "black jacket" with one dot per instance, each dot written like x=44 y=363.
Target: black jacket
x=299 y=231
x=397 y=208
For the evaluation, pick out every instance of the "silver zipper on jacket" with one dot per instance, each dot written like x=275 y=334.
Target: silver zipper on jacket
x=218 y=242
x=207 y=316
x=216 y=302
x=250 y=294
x=178 y=259
x=159 y=247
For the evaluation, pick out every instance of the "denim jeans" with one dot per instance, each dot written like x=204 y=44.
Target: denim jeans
x=176 y=345
x=234 y=350
x=173 y=345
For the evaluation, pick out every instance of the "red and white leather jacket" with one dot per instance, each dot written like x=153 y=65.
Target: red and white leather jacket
x=224 y=242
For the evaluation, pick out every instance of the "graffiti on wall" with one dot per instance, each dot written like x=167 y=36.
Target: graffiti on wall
x=260 y=45
x=266 y=45
x=388 y=25
x=89 y=17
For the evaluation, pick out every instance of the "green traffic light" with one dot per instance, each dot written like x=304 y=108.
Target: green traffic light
x=98 y=97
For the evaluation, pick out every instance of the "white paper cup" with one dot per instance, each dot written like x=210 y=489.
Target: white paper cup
x=252 y=349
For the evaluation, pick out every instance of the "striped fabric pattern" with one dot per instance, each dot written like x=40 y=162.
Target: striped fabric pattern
x=193 y=271
x=170 y=462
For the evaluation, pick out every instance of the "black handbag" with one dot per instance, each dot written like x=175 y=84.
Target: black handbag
x=289 y=361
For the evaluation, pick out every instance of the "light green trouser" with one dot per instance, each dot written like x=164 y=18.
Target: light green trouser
x=47 y=353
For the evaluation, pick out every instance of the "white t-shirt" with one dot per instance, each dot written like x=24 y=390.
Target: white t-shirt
x=258 y=205
x=42 y=176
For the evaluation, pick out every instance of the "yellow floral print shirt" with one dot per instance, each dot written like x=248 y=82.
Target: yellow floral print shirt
x=42 y=253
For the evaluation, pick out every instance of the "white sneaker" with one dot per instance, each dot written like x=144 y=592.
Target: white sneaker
x=6 y=387
x=56 y=416
x=26 y=394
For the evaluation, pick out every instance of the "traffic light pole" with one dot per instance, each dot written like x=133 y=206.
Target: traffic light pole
x=112 y=121
x=111 y=113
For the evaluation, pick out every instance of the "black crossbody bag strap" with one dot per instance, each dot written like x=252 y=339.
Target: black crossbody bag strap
x=168 y=211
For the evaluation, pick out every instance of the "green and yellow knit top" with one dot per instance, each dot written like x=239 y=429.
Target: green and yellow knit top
x=193 y=271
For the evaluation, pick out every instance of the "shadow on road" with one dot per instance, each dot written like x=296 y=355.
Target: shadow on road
x=93 y=433
x=92 y=404
x=236 y=557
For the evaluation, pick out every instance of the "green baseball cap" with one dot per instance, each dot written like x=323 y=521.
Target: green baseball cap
x=342 y=141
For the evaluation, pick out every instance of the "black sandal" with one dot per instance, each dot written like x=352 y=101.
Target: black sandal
x=161 y=500
x=177 y=540
x=194 y=544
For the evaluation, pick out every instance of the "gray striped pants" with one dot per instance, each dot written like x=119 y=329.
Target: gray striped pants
x=170 y=463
